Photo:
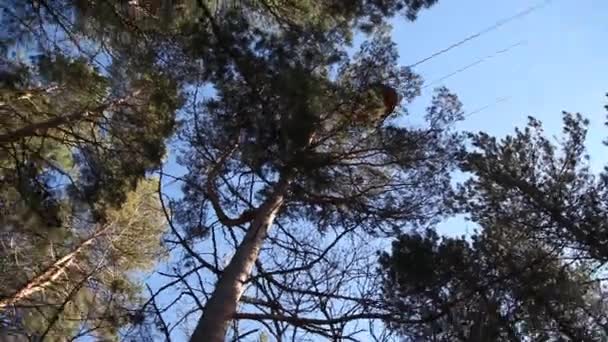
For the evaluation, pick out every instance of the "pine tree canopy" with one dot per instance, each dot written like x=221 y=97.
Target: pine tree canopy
x=260 y=170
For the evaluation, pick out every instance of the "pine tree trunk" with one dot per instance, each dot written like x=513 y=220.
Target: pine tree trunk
x=47 y=276
x=222 y=305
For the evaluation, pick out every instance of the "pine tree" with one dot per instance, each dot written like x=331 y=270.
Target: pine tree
x=311 y=129
x=292 y=113
x=77 y=141
x=533 y=272
x=83 y=288
x=501 y=286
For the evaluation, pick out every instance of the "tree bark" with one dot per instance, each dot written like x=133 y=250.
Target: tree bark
x=47 y=276
x=222 y=304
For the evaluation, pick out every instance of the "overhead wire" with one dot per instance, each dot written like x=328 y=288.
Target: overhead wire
x=480 y=109
x=491 y=28
x=477 y=62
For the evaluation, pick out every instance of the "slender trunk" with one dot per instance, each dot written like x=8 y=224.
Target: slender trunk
x=47 y=276
x=222 y=305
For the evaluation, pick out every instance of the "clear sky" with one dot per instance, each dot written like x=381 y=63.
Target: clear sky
x=562 y=64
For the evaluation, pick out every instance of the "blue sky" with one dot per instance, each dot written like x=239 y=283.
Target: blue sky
x=562 y=65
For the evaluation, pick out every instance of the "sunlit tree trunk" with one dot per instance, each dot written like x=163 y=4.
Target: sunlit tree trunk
x=48 y=276
x=222 y=305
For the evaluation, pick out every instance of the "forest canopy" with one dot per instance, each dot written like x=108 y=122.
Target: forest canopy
x=248 y=170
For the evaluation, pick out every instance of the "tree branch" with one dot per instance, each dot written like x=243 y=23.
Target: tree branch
x=213 y=196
